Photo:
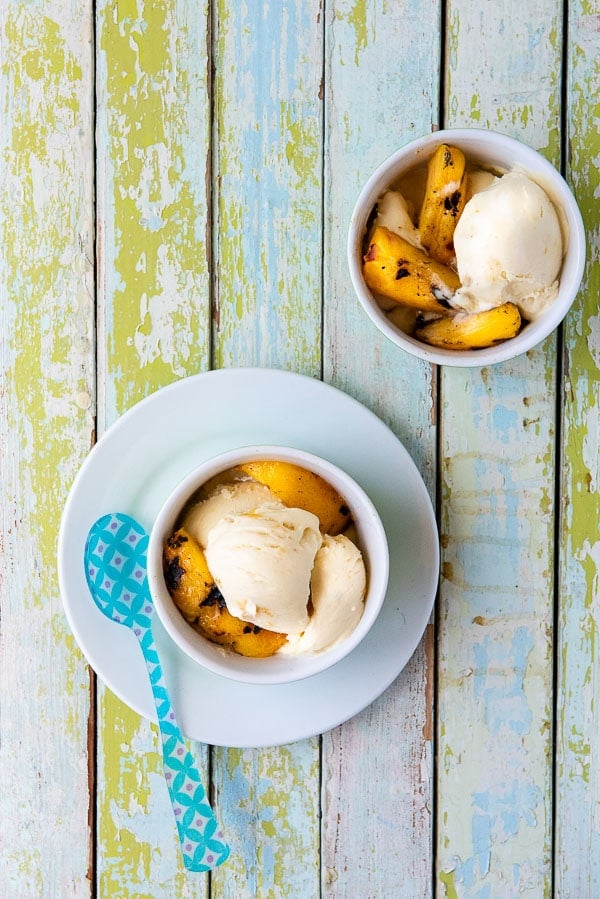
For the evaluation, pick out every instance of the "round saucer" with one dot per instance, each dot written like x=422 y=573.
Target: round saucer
x=151 y=448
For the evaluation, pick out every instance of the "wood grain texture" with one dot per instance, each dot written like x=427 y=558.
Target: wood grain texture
x=153 y=157
x=153 y=327
x=577 y=861
x=378 y=791
x=46 y=426
x=497 y=468
x=267 y=246
x=232 y=142
x=267 y=169
x=269 y=807
x=381 y=90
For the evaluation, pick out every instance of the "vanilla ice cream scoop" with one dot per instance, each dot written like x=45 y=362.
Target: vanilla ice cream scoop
x=509 y=248
x=228 y=499
x=338 y=587
x=262 y=561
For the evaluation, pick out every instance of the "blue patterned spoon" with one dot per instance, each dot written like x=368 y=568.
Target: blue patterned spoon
x=115 y=568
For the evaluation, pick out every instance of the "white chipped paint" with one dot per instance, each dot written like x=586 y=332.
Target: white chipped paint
x=494 y=788
x=495 y=650
x=591 y=444
x=577 y=863
x=381 y=90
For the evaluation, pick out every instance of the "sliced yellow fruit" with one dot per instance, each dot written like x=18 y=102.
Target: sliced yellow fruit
x=187 y=576
x=404 y=273
x=218 y=625
x=443 y=203
x=472 y=331
x=302 y=489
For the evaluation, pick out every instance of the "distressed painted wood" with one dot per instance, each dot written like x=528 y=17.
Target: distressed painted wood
x=497 y=468
x=46 y=426
x=267 y=244
x=577 y=860
x=232 y=141
x=381 y=90
x=378 y=791
x=153 y=304
x=268 y=161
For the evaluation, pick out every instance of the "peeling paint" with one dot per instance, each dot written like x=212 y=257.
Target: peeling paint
x=577 y=797
x=46 y=360
x=268 y=166
x=497 y=518
x=153 y=115
x=498 y=480
x=154 y=326
x=265 y=795
x=382 y=83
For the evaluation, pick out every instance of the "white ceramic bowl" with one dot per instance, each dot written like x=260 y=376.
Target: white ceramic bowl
x=490 y=150
x=276 y=669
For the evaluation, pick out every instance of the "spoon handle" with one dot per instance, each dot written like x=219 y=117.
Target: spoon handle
x=115 y=568
x=202 y=841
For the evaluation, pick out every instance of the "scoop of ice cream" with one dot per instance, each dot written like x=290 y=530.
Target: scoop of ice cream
x=261 y=560
x=393 y=214
x=227 y=499
x=508 y=246
x=338 y=588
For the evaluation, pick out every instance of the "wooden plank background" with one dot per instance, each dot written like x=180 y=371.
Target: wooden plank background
x=47 y=388
x=577 y=860
x=497 y=468
x=224 y=147
x=381 y=90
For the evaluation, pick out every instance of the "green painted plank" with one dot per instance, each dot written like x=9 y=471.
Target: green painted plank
x=46 y=426
x=577 y=863
x=267 y=244
x=497 y=515
x=153 y=156
x=381 y=91
x=153 y=125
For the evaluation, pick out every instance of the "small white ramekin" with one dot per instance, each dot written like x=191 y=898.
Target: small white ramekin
x=276 y=669
x=490 y=150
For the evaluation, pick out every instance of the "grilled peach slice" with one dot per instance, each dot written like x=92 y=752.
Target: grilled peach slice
x=396 y=269
x=444 y=201
x=302 y=489
x=473 y=331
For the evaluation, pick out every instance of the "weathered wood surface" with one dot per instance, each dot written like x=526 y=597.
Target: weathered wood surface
x=577 y=861
x=381 y=60
x=46 y=429
x=231 y=142
x=498 y=482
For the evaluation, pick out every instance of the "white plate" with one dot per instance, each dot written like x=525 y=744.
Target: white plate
x=145 y=454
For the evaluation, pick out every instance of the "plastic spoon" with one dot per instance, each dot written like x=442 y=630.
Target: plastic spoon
x=115 y=568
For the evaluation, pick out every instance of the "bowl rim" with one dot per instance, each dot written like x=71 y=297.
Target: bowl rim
x=277 y=669
x=541 y=170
